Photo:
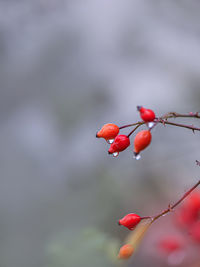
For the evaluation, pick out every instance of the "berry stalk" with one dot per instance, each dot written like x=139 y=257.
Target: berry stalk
x=170 y=208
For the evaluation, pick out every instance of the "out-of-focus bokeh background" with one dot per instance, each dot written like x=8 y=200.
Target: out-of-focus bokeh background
x=66 y=68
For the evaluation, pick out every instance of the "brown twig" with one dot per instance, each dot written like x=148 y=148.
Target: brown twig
x=178 y=115
x=134 y=130
x=170 y=208
x=191 y=127
x=132 y=124
x=164 y=120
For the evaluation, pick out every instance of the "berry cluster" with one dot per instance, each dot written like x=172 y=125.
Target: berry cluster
x=119 y=142
x=188 y=217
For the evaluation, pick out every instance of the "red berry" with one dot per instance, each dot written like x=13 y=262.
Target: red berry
x=108 y=131
x=130 y=221
x=193 y=201
x=189 y=211
x=141 y=141
x=185 y=217
x=125 y=251
x=170 y=244
x=147 y=115
x=195 y=231
x=120 y=143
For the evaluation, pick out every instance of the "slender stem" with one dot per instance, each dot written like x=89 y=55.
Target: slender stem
x=132 y=124
x=178 y=115
x=145 y=217
x=134 y=130
x=164 y=120
x=170 y=208
x=191 y=127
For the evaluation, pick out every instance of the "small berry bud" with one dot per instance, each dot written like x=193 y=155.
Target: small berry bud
x=130 y=221
x=120 y=143
x=141 y=141
x=147 y=115
x=108 y=131
x=125 y=251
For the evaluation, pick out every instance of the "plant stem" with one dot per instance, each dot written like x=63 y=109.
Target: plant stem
x=178 y=115
x=170 y=208
x=134 y=130
x=132 y=124
x=164 y=120
x=191 y=127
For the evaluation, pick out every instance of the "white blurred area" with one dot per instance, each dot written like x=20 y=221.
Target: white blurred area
x=66 y=68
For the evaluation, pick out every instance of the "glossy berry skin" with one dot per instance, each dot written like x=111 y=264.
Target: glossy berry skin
x=126 y=251
x=130 y=220
x=147 y=115
x=120 y=143
x=141 y=141
x=108 y=131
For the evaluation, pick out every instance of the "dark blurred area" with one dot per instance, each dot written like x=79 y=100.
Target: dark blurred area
x=67 y=68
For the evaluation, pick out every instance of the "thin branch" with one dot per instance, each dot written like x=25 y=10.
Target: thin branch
x=178 y=115
x=134 y=130
x=170 y=208
x=191 y=127
x=132 y=124
x=164 y=120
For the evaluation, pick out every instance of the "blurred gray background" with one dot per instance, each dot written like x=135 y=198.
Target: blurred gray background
x=67 y=68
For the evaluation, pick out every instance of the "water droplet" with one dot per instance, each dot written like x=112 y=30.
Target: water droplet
x=137 y=156
x=150 y=124
x=110 y=141
x=115 y=154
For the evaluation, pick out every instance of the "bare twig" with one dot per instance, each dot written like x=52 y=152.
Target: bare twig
x=132 y=124
x=191 y=127
x=134 y=130
x=178 y=115
x=164 y=120
x=171 y=207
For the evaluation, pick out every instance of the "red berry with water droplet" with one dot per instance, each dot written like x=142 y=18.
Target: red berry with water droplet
x=125 y=251
x=130 y=220
x=147 y=115
x=120 y=143
x=141 y=141
x=109 y=131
